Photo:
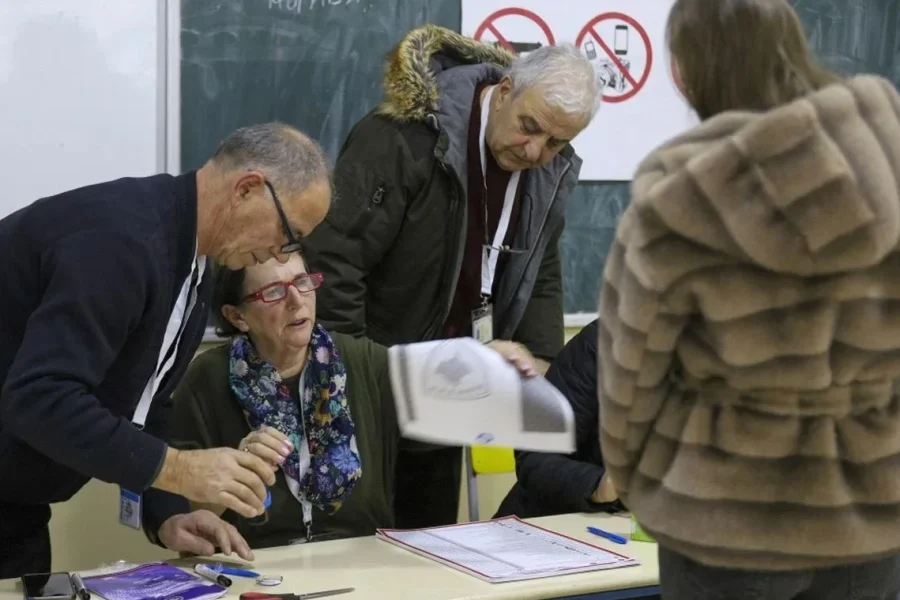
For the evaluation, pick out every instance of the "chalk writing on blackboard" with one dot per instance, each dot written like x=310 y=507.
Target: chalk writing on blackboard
x=298 y=6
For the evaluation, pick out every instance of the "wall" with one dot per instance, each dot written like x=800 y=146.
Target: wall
x=87 y=113
x=95 y=510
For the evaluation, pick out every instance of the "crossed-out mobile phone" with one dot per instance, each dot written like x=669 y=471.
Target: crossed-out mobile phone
x=620 y=41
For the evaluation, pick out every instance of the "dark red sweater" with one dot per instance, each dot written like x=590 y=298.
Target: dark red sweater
x=468 y=287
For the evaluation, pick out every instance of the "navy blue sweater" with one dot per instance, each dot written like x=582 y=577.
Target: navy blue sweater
x=89 y=278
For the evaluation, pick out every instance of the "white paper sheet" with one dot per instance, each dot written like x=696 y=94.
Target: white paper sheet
x=461 y=392
x=505 y=550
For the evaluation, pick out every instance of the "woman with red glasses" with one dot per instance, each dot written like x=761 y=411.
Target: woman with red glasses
x=316 y=406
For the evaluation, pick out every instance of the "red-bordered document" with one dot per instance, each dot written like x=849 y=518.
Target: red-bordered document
x=506 y=549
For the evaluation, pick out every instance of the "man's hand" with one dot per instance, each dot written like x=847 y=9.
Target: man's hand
x=605 y=491
x=200 y=533
x=221 y=476
x=269 y=444
x=517 y=355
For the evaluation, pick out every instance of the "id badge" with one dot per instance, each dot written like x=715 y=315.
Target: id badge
x=483 y=324
x=130 y=509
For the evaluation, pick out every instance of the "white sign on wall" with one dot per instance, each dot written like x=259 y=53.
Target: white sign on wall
x=625 y=41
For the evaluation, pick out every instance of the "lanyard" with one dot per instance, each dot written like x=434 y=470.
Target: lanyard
x=168 y=350
x=303 y=461
x=300 y=495
x=490 y=254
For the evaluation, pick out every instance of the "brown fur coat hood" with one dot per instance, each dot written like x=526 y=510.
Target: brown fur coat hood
x=410 y=82
x=750 y=335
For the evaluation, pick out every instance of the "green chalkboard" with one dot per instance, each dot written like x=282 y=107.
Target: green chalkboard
x=317 y=64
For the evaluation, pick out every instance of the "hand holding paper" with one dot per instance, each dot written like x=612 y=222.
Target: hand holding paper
x=460 y=391
x=516 y=354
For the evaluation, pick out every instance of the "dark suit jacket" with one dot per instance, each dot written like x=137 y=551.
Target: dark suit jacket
x=89 y=280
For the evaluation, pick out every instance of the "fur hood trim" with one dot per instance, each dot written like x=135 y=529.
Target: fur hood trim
x=410 y=84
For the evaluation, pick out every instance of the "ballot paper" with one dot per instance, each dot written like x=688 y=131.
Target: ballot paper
x=503 y=550
x=461 y=392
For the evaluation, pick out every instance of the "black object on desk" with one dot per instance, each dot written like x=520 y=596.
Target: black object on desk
x=48 y=586
x=80 y=590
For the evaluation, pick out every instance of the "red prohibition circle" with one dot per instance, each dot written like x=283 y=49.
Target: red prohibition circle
x=636 y=85
x=488 y=24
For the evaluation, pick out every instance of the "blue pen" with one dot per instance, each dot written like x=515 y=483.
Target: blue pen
x=606 y=534
x=263 y=518
x=233 y=571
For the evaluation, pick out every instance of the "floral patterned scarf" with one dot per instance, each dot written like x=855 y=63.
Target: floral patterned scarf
x=325 y=465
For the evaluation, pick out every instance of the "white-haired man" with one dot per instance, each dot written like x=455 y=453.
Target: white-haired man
x=450 y=198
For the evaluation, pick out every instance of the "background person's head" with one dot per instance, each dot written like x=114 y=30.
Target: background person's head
x=741 y=55
x=274 y=303
x=546 y=98
x=265 y=187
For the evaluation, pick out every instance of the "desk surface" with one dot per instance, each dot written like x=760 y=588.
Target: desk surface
x=378 y=570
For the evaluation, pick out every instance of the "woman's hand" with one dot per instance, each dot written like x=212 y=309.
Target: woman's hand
x=517 y=355
x=269 y=444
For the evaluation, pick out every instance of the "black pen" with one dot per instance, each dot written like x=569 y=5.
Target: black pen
x=206 y=571
x=82 y=591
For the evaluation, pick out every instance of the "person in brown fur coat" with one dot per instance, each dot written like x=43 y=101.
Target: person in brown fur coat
x=749 y=348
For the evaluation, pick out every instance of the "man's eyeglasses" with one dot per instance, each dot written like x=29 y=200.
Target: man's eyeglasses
x=278 y=291
x=293 y=244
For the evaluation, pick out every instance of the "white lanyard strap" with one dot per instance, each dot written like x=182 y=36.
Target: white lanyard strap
x=171 y=340
x=488 y=255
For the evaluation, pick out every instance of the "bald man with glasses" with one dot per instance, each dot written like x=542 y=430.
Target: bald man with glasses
x=105 y=303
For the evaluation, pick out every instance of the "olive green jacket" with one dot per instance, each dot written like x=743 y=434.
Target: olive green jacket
x=207 y=415
x=392 y=245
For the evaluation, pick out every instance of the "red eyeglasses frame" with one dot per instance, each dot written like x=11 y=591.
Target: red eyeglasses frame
x=317 y=278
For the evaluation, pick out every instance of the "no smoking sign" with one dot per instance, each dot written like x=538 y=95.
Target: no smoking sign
x=620 y=50
x=516 y=29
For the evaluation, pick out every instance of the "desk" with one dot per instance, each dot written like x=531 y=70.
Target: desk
x=381 y=571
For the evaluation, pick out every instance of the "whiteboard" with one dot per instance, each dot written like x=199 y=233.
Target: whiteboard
x=83 y=92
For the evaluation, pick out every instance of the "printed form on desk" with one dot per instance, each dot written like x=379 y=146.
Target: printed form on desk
x=459 y=391
x=506 y=549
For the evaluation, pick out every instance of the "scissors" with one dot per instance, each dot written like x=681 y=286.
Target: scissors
x=268 y=596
